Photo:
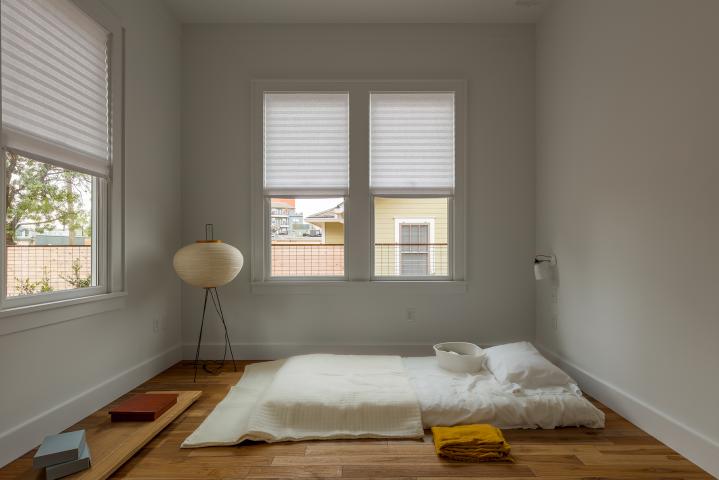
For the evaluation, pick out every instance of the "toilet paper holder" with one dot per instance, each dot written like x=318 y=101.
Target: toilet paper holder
x=543 y=266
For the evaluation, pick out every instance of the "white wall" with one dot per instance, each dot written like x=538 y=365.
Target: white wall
x=628 y=168
x=52 y=376
x=498 y=61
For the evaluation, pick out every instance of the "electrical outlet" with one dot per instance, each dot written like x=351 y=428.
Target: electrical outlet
x=411 y=314
x=156 y=324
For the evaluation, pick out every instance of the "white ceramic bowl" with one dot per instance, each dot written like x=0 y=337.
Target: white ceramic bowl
x=462 y=357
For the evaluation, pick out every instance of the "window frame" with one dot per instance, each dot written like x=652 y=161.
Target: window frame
x=359 y=219
x=108 y=202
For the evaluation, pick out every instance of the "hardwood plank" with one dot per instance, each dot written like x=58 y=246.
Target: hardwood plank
x=387 y=449
x=262 y=449
x=532 y=477
x=617 y=471
x=313 y=471
x=658 y=460
x=553 y=449
x=638 y=450
x=480 y=470
x=181 y=472
x=553 y=459
x=357 y=460
x=406 y=460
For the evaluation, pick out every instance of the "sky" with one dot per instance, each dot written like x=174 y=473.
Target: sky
x=309 y=206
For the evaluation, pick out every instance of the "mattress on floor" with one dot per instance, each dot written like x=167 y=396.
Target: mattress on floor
x=266 y=402
x=448 y=398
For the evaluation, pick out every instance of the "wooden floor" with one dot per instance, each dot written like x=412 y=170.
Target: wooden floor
x=620 y=451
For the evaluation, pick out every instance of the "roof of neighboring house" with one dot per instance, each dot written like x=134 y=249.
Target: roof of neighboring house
x=334 y=214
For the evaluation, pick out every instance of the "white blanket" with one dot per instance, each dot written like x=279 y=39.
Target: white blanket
x=448 y=398
x=315 y=397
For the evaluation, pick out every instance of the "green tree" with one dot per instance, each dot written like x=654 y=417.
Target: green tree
x=43 y=195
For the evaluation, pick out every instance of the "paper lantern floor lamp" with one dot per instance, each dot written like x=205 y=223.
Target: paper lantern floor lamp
x=209 y=264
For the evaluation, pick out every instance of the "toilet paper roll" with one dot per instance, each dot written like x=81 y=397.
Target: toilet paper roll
x=542 y=270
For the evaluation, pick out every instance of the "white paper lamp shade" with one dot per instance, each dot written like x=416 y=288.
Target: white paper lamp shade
x=208 y=263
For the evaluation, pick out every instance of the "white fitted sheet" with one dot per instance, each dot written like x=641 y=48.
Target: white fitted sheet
x=448 y=398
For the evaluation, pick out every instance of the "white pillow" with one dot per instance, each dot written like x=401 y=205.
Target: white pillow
x=522 y=364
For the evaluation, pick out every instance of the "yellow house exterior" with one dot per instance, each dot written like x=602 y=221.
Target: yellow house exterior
x=411 y=235
x=334 y=233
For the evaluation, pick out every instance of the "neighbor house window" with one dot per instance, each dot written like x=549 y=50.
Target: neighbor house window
x=394 y=212
x=413 y=237
x=306 y=178
x=61 y=149
x=412 y=163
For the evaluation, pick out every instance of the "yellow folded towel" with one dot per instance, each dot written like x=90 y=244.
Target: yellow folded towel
x=471 y=443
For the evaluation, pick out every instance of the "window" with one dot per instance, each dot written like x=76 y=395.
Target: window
x=411 y=237
x=394 y=212
x=412 y=177
x=61 y=134
x=306 y=176
x=312 y=245
x=50 y=240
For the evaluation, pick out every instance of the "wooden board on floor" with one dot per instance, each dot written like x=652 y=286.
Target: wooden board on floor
x=114 y=443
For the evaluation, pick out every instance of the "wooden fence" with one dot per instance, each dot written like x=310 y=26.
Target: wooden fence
x=43 y=268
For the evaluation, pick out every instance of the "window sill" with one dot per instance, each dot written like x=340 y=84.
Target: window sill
x=304 y=287
x=18 y=319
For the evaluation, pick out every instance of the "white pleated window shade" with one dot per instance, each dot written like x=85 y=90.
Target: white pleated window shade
x=55 y=84
x=306 y=143
x=412 y=143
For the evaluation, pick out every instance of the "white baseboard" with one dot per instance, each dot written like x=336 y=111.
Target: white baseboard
x=273 y=351
x=694 y=445
x=22 y=438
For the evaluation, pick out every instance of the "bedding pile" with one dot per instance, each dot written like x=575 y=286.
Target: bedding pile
x=355 y=396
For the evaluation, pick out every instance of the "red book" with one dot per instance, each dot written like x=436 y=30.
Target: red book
x=143 y=407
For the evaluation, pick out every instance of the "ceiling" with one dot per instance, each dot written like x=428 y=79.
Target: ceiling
x=357 y=11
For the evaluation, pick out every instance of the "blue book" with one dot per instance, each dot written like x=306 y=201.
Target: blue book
x=68 y=468
x=63 y=447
